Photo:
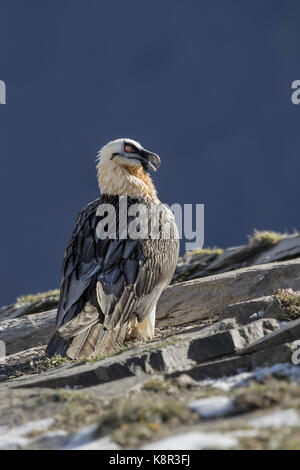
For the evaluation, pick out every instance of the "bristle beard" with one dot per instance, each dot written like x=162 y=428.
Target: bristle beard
x=129 y=181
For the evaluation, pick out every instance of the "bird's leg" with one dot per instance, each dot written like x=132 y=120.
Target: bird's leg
x=145 y=329
x=131 y=325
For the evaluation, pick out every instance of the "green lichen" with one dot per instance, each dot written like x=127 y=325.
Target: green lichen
x=51 y=363
x=182 y=278
x=285 y=438
x=134 y=423
x=290 y=302
x=265 y=238
x=158 y=384
x=274 y=391
x=32 y=298
x=164 y=343
x=117 y=350
x=207 y=251
x=77 y=409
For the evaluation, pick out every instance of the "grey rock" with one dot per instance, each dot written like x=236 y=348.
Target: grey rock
x=275 y=310
x=193 y=265
x=181 y=353
x=203 y=298
x=287 y=334
x=51 y=440
x=27 y=332
x=242 y=311
x=239 y=341
x=225 y=324
x=12 y=311
x=179 y=304
x=251 y=333
x=43 y=304
x=288 y=247
x=234 y=255
x=250 y=310
x=227 y=366
x=193 y=262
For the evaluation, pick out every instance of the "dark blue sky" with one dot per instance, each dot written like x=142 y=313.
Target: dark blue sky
x=205 y=83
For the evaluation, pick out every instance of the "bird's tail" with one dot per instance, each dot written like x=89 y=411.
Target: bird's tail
x=85 y=337
x=57 y=346
x=95 y=341
x=90 y=343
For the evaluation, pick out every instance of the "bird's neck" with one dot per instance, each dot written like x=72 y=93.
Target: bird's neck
x=126 y=181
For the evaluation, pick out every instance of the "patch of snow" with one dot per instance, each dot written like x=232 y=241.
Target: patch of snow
x=259 y=314
x=194 y=441
x=243 y=378
x=15 y=438
x=226 y=383
x=240 y=433
x=103 y=443
x=81 y=437
x=52 y=439
x=212 y=407
x=54 y=434
x=86 y=439
x=277 y=419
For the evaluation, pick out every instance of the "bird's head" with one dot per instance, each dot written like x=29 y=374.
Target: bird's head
x=128 y=153
x=123 y=169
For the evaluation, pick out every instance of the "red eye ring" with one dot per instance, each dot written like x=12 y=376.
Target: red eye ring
x=128 y=148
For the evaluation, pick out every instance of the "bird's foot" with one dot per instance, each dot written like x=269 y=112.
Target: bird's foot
x=144 y=330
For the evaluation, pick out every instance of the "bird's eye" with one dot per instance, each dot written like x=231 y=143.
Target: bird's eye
x=128 y=148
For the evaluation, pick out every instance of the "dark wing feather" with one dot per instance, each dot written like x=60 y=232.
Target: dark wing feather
x=127 y=275
x=79 y=267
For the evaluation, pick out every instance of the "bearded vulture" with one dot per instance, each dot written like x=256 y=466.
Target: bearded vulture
x=111 y=281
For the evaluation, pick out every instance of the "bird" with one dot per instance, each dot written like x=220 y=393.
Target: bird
x=112 y=278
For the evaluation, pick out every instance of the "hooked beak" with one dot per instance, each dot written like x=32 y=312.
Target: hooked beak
x=149 y=160
x=153 y=161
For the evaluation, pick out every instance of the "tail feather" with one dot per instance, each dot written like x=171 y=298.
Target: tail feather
x=57 y=347
x=84 y=336
x=109 y=339
x=95 y=341
x=83 y=345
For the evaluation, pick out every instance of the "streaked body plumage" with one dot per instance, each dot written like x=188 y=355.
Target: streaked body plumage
x=110 y=287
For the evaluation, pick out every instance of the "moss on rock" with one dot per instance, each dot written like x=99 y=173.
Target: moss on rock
x=290 y=301
x=265 y=238
x=32 y=298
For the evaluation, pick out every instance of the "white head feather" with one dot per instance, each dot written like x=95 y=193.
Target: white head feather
x=121 y=174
